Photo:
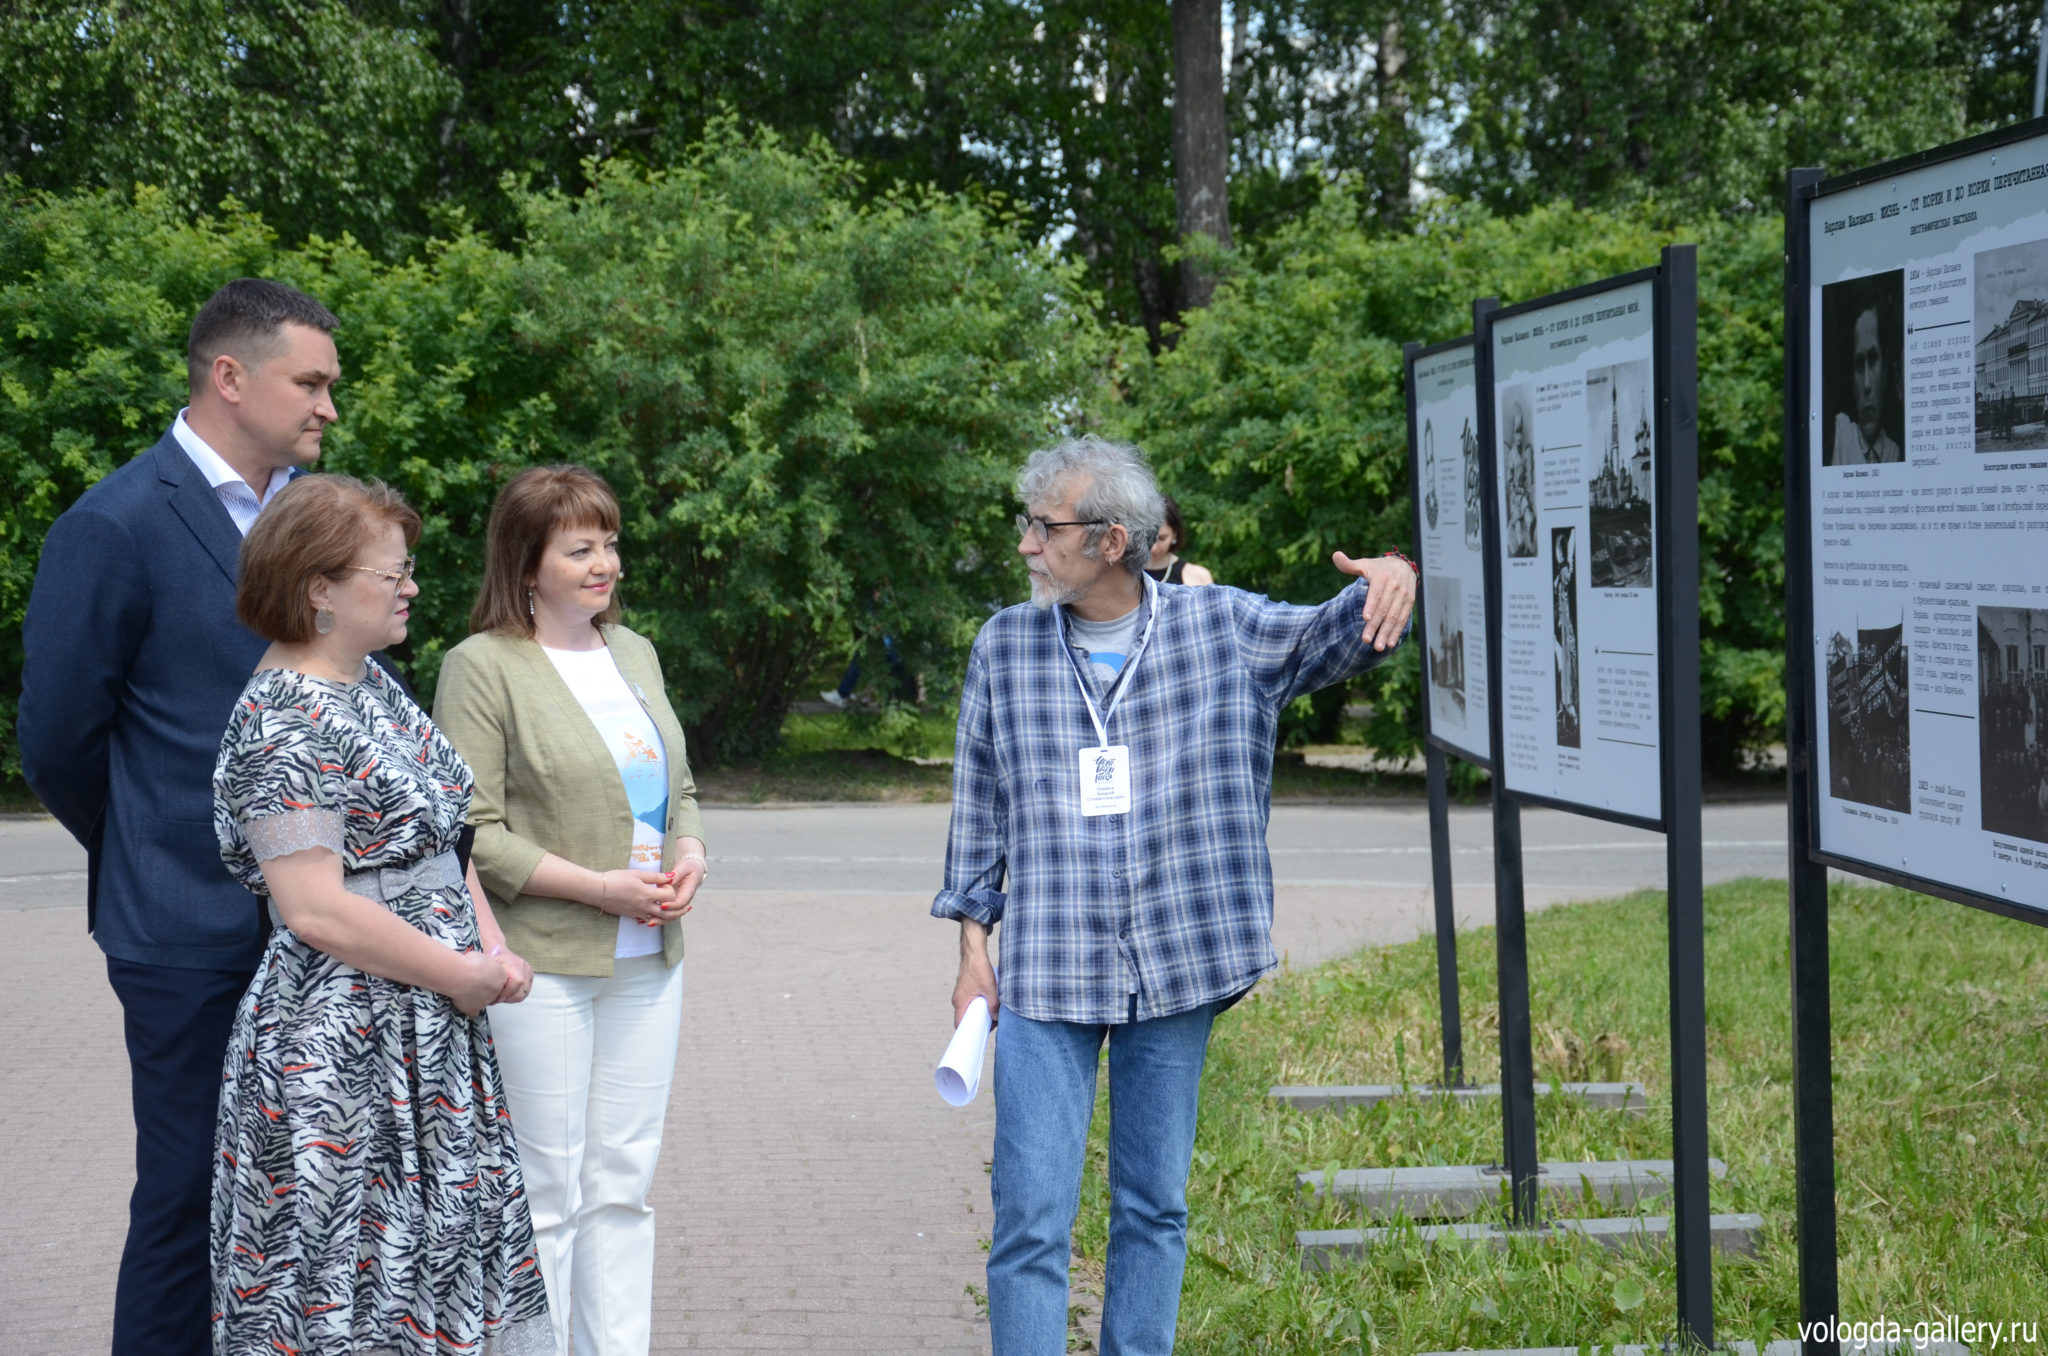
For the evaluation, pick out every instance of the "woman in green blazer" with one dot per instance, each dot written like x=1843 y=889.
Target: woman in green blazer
x=589 y=844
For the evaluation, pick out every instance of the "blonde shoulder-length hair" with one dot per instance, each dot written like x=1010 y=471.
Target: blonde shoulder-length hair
x=533 y=506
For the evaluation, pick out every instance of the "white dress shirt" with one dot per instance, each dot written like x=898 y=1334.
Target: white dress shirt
x=235 y=495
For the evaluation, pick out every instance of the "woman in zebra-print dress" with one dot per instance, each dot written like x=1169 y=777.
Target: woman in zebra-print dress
x=367 y=1195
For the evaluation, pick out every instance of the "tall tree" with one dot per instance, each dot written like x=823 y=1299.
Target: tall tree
x=317 y=114
x=1201 y=142
x=1700 y=105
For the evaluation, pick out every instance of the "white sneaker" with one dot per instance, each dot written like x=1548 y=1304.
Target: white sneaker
x=833 y=699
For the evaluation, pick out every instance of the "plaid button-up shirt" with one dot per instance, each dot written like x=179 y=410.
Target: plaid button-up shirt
x=1172 y=902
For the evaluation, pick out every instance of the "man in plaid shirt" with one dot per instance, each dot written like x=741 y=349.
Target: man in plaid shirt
x=1111 y=781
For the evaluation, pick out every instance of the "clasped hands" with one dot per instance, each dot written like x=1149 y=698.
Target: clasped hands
x=651 y=898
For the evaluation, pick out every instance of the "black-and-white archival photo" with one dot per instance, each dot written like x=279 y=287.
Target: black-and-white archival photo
x=1518 y=471
x=1862 y=363
x=2012 y=719
x=1618 y=495
x=1429 y=501
x=1468 y=446
x=1444 y=601
x=1564 y=632
x=2012 y=348
x=1869 y=723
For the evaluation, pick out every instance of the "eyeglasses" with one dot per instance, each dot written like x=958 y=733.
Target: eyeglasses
x=396 y=578
x=1040 y=530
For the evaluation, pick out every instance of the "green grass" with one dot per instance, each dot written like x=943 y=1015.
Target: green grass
x=901 y=731
x=1941 y=1037
x=826 y=775
x=17 y=799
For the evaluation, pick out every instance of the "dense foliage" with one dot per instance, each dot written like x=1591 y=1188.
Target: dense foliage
x=1279 y=420
x=806 y=369
x=811 y=408
x=382 y=116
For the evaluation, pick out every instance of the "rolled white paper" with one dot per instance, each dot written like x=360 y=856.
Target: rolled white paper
x=959 y=1073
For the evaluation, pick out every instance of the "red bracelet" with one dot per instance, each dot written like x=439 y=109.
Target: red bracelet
x=1405 y=561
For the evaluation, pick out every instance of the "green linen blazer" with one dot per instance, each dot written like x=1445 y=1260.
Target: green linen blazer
x=546 y=782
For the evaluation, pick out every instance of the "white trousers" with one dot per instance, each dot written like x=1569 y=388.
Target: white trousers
x=587 y=1064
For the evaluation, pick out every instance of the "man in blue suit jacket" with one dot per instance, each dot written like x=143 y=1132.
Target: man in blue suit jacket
x=134 y=661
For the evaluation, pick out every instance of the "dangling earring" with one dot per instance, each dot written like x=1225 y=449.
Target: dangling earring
x=323 y=622
x=529 y=604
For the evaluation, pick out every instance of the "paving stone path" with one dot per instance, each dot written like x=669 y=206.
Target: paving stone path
x=814 y=1194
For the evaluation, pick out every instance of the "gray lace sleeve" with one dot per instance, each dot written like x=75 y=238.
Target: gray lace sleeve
x=281 y=835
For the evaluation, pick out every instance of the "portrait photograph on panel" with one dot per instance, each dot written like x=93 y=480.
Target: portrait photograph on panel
x=1444 y=603
x=2012 y=720
x=1429 y=499
x=1564 y=632
x=1618 y=495
x=1862 y=364
x=2012 y=348
x=1869 y=722
x=1518 y=471
x=1468 y=443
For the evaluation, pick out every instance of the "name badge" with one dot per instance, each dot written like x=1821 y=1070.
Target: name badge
x=1106 y=780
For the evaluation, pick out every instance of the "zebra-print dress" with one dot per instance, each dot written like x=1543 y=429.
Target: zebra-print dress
x=367 y=1197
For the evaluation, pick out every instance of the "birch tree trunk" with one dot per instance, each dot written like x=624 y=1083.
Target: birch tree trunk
x=1201 y=138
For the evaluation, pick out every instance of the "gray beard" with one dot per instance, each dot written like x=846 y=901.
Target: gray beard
x=1047 y=592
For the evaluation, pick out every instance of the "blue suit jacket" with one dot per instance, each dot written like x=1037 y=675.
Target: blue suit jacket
x=133 y=663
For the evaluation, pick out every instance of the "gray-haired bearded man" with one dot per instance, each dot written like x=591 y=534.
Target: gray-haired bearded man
x=1111 y=782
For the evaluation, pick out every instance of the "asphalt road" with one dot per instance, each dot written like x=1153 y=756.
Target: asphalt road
x=892 y=848
x=857 y=849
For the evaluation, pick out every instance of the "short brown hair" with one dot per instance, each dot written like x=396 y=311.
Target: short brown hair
x=533 y=506
x=314 y=526
x=243 y=318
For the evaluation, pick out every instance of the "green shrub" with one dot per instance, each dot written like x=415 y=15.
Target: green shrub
x=811 y=409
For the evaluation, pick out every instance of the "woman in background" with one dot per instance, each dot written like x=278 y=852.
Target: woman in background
x=1164 y=565
x=367 y=1193
x=590 y=846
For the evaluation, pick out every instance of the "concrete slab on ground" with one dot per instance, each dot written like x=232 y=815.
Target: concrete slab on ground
x=1782 y=1347
x=1458 y=1192
x=1326 y=1249
x=1628 y=1097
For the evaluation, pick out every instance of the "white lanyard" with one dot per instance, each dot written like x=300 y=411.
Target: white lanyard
x=1127 y=676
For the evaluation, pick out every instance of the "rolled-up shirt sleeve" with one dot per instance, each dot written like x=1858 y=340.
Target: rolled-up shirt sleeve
x=976 y=852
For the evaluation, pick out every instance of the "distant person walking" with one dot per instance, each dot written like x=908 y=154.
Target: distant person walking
x=132 y=662
x=1110 y=792
x=590 y=845
x=367 y=1193
x=1166 y=566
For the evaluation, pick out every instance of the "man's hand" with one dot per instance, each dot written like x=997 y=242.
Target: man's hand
x=977 y=976
x=1389 y=596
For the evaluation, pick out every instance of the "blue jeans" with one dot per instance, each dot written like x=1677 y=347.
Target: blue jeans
x=1045 y=1076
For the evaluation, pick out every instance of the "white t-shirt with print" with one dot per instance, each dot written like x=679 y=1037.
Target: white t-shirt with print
x=629 y=732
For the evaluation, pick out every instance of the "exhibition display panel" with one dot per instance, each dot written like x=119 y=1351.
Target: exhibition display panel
x=1443 y=438
x=1577 y=458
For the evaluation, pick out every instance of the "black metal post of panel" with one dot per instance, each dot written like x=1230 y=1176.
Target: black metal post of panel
x=1813 y=1093
x=1517 y=1059
x=1438 y=775
x=1436 y=763
x=1678 y=607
